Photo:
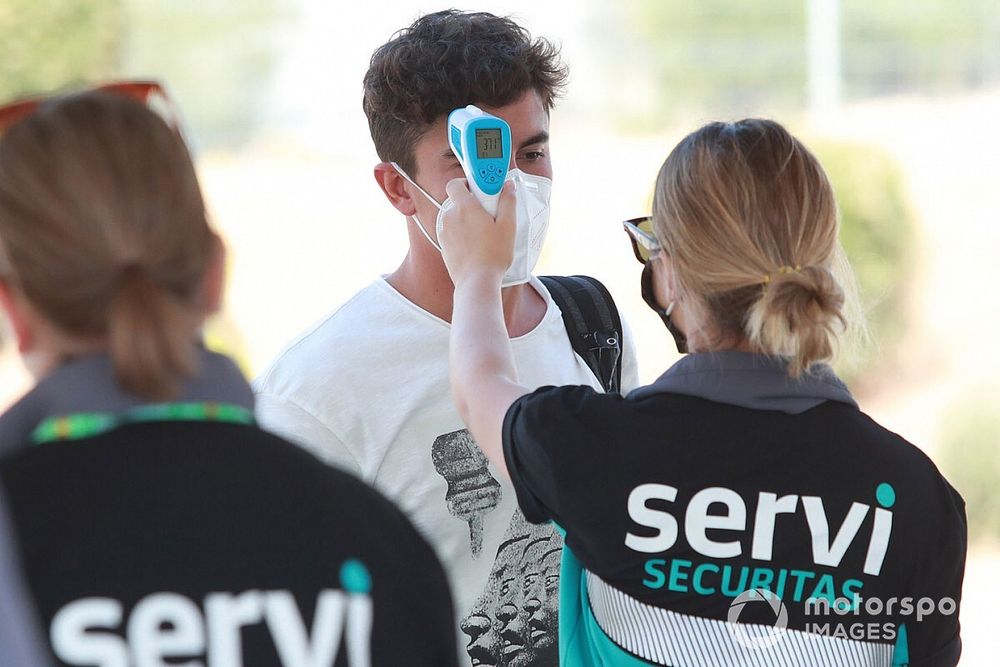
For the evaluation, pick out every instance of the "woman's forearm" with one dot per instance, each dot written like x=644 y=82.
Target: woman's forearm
x=483 y=376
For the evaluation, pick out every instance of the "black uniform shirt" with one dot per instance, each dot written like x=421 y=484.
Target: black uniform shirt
x=211 y=542
x=727 y=514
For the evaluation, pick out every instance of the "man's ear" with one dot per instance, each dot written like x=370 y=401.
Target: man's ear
x=13 y=306
x=213 y=285
x=394 y=187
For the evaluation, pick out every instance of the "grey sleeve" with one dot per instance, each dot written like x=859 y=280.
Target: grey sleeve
x=21 y=641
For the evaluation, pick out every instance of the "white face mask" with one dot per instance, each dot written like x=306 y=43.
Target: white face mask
x=532 y=194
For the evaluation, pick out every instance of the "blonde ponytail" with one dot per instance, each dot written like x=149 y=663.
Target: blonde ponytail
x=799 y=316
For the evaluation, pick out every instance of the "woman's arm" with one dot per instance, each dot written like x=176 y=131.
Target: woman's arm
x=477 y=251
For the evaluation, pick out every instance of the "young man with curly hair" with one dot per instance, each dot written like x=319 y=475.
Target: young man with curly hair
x=367 y=389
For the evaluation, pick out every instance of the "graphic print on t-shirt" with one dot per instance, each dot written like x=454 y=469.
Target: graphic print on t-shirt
x=514 y=623
x=472 y=491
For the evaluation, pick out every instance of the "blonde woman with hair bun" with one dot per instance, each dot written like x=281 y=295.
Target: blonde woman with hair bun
x=749 y=228
x=144 y=517
x=741 y=509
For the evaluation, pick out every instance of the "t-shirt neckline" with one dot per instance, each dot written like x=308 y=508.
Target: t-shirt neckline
x=533 y=281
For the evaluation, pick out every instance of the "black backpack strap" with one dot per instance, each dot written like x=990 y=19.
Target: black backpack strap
x=592 y=323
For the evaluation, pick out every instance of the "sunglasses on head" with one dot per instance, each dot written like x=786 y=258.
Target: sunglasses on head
x=149 y=93
x=644 y=242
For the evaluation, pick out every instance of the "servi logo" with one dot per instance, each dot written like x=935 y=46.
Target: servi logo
x=712 y=576
x=163 y=628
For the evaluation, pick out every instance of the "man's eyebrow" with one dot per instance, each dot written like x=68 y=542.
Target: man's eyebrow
x=539 y=138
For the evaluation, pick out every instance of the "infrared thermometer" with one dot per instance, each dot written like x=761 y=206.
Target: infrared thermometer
x=481 y=142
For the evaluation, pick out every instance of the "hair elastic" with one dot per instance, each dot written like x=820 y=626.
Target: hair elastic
x=781 y=271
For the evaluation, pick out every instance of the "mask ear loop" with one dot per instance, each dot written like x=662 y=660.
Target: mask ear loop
x=414 y=217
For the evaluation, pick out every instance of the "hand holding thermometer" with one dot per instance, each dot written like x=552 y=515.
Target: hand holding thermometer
x=481 y=142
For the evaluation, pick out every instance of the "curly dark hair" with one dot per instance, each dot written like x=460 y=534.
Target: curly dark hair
x=446 y=60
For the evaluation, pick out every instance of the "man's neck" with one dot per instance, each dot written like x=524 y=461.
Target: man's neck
x=430 y=288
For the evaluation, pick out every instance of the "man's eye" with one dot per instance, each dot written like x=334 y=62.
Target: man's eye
x=531 y=156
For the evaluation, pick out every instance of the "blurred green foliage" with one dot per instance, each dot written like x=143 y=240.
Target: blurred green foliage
x=217 y=58
x=668 y=60
x=671 y=58
x=970 y=459
x=878 y=232
x=57 y=43
x=925 y=46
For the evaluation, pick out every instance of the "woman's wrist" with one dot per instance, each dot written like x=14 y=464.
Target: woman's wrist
x=481 y=280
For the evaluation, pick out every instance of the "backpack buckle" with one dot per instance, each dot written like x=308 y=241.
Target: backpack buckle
x=602 y=339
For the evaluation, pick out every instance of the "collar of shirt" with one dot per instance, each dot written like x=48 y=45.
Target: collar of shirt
x=748 y=380
x=88 y=384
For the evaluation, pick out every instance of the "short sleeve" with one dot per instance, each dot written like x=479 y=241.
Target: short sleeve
x=295 y=424
x=547 y=441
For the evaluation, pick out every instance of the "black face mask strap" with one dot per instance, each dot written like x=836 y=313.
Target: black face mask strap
x=649 y=296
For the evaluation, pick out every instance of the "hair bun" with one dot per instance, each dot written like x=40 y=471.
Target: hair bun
x=797 y=315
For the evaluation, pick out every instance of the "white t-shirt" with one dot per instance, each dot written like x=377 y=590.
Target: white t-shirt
x=367 y=390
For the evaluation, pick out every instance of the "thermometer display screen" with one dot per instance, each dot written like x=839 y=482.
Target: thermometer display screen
x=488 y=144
